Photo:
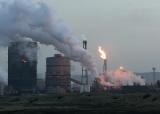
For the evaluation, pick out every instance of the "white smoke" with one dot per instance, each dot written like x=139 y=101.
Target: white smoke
x=26 y=48
x=120 y=77
x=24 y=18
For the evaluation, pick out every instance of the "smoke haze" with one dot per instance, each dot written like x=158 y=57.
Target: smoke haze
x=120 y=77
x=25 y=18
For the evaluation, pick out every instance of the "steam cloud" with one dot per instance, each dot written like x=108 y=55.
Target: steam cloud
x=119 y=78
x=24 y=18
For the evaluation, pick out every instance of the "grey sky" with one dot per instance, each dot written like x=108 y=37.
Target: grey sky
x=128 y=30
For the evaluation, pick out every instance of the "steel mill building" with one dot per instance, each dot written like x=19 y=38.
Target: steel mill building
x=22 y=66
x=58 y=73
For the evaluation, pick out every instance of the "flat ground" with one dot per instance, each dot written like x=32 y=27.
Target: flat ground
x=101 y=103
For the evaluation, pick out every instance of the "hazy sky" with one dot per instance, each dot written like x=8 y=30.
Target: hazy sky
x=129 y=30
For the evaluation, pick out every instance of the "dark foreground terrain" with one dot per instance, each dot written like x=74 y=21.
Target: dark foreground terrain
x=103 y=103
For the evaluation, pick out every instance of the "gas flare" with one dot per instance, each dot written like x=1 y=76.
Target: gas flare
x=121 y=68
x=102 y=53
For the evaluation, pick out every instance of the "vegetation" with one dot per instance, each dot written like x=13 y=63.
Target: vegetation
x=81 y=103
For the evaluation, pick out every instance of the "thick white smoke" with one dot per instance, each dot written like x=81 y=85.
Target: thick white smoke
x=119 y=78
x=24 y=18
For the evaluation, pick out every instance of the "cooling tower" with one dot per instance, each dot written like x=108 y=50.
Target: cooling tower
x=58 y=74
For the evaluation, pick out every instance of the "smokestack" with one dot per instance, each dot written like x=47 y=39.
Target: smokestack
x=154 y=75
x=105 y=66
x=85 y=44
x=84 y=78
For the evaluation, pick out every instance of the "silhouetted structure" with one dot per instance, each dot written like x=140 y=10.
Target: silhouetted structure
x=84 y=77
x=22 y=66
x=105 y=66
x=58 y=74
x=154 y=75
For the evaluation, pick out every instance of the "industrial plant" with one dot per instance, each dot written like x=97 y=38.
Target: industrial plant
x=22 y=71
x=29 y=30
x=22 y=74
x=48 y=68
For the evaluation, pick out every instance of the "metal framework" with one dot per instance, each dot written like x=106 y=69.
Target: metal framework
x=105 y=66
x=84 y=77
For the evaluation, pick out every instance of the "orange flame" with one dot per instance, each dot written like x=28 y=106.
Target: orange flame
x=102 y=53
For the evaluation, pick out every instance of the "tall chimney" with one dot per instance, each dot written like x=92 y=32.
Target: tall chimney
x=84 y=77
x=105 y=66
x=154 y=75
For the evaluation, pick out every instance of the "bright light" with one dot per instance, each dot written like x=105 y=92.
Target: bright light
x=121 y=68
x=102 y=53
x=24 y=61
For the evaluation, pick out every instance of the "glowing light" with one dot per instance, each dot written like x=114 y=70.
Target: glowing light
x=24 y=61
x=102 y=53
x=121 y=68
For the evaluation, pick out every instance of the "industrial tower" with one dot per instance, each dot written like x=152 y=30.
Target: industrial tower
x=105 y=66
x=84 y=77
x=154 y=75
x=22 y=66
x=58 y=72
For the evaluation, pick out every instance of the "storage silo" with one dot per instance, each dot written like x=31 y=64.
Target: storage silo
x=58 y=74
x=22 y=66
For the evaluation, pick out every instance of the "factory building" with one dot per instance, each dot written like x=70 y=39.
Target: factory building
x=58 y=72
x=22 y=66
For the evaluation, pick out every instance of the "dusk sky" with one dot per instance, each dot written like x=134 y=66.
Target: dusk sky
x=129 y=31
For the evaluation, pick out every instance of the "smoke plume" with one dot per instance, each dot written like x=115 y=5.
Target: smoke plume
x=119 y=78
x=24 y=18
